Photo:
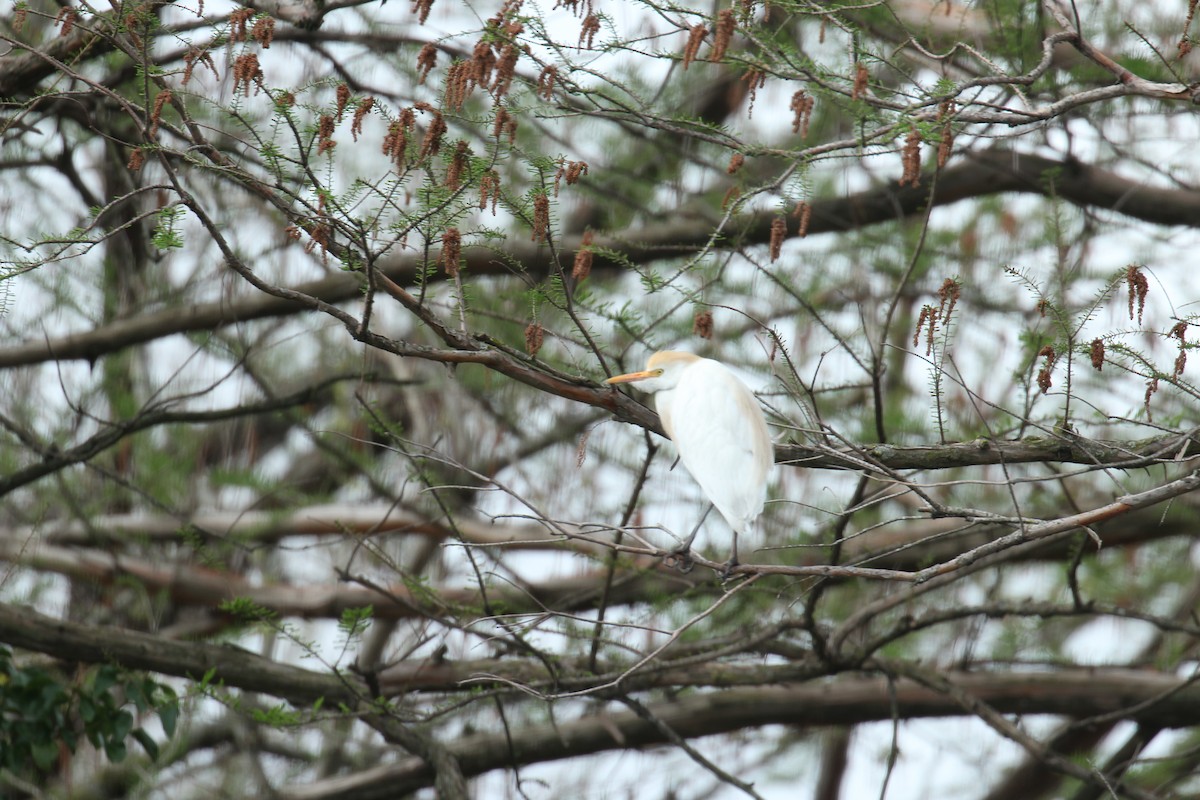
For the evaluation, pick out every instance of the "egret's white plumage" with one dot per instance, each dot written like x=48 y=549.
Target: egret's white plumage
x=717 y=427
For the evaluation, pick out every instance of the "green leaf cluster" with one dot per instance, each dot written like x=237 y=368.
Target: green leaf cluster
x=41 y=715
x=166 y=233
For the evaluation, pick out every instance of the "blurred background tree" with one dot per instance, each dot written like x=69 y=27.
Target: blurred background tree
x=303 y=442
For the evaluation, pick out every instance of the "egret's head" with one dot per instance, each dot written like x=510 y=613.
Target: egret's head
x=662 y=371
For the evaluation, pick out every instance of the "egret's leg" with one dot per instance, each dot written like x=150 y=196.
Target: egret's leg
x=728 y=566
x=687 y=545
x=681 y=557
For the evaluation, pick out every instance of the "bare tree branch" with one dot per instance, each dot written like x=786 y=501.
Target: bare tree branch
x=982 y=174
x=845 y=701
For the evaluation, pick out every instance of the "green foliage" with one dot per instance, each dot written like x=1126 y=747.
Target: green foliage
x=166 y=235
x=278 y=716
x=41 y=715
x=355 y=621
x=247 y=611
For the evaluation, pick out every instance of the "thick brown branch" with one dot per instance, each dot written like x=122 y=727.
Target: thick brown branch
x=209 y=588
x=1034 y=449
x=843 y=701
x=231 y=666
x=271 y=526
x=1084 y=519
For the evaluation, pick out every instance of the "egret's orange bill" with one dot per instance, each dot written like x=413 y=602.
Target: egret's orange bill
x=629 y=377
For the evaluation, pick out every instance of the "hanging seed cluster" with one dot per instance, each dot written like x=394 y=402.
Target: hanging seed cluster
x=1179 y=332
x=946 y=143
x=1185 y=41
x=803 y=212
x=802 y=107
x=861 y=77
x=726 y=26
x=778 y=234
x=1043 y=377
x=535 y=334
x=541 y=216
x=451 y=255
x=360 y=113
x=755 y=80
x=1139 y=288
x=932 y=317
x=246 y=71
x=583 y=257
x=195 y=56
x=571 y=171
x=163 y=98
x=696 y=36
x=910 y=158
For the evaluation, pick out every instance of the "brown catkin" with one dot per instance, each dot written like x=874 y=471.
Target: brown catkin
x=325 y=140
x=1179 y=331
x=263 y=31
x=541 y=216
x=911 y=159
x=163 y=98
x=588 y=31
x=948 y=294
x=583 y=257
x=534 y=335
x=395 y=143
x=489 y=189
x=726 y=25
x=432 y=142
x=483 y=62
x=426 y=61
x=755 y=80
x=802 y=108
x=237 y=24
x=778 y=234
x=1139 y=288
x=546 y=81
x=506 y=68
x=460 y=162
x=246 y=72
x=696 y=35
x=421 y=8
x=364 y=107
x=1043 y=377
x=451 y=251
x=946 y=140
x=459 y=83
x=861 y=76
x=804 y=212
x=928 y=322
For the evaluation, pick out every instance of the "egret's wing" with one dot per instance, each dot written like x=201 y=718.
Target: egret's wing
x=719 y=430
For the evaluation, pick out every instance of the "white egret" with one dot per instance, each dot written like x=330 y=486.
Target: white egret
x=719 y=430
